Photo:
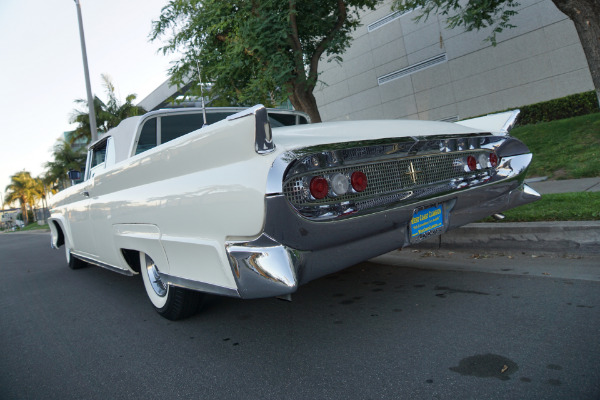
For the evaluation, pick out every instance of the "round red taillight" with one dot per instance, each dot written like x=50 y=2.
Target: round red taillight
x=472 y=163
x=358 y=181
x=319 y=187
x=493 y=160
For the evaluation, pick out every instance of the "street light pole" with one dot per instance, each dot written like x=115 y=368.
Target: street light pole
x=86 y=72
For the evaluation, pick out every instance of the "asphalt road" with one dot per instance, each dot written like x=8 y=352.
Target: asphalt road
x=410 y=326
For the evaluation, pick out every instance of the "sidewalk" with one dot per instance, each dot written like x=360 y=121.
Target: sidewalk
x=573 y=237
x=543 y=186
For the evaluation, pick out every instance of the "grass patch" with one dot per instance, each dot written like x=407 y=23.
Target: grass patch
x=31 y=227
x=34 y=227
x=580 y=206
x=565 y=149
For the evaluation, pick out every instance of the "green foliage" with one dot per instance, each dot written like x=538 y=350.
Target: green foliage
x=65 y=159
x=25 y=190
x=255 y=51
x=34 y=227
x=580 y=206
x=564 y=107
x=470 y=14
x=108 y=115
x=565 y=149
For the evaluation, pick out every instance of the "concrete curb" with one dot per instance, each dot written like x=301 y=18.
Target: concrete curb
x=560 y=236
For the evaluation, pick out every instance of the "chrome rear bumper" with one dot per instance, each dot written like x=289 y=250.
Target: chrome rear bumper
x=294 y=250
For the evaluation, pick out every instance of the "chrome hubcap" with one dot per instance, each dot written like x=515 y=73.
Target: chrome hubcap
x=157 y=284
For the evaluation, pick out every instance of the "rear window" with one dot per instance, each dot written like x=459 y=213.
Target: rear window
x=174 y=126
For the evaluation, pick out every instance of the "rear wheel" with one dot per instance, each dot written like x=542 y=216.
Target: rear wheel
x=171 y=302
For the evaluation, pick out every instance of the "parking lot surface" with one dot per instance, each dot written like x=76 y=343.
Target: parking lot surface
x=413 y=324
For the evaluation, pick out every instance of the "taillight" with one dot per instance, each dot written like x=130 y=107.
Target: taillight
x=471 y=163
x=319 y=187
x=493 y=160
x=358 y=181
x=339 y=184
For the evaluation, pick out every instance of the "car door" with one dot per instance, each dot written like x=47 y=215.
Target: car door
x=82 y=238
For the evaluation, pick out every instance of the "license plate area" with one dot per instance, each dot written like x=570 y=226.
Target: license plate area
x=427 y=221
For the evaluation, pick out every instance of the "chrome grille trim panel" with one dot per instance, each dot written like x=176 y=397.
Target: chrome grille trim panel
x=399 y=171
x=388 y=177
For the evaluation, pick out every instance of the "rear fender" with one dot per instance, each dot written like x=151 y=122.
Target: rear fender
x=144 y=238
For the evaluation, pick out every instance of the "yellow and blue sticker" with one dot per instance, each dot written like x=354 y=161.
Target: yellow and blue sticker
x=426 y=220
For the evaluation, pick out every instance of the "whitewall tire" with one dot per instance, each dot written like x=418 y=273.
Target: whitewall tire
x=171 y=302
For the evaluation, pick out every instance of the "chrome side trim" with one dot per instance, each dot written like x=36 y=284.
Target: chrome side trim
x=198 y=286
x=277 y=172
x=103 y=265
x=263 y=135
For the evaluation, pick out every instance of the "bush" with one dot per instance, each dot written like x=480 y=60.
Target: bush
x=564 y=107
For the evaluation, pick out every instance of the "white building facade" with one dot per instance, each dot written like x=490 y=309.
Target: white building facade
x=399 y=68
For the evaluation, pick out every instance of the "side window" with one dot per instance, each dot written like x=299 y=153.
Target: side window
x=174 y=126
x=99 y=155
x=282 y=119
x=147 y=138
x=214 y=117
x=97 y=158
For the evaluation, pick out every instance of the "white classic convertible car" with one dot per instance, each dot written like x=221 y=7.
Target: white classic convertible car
x=254 y=203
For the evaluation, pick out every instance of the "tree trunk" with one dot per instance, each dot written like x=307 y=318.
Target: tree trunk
x=24 y=213
x=585 y=14
x=303 y=99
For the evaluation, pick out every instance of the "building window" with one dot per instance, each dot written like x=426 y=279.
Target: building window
x=385 y=20
x=412 y=69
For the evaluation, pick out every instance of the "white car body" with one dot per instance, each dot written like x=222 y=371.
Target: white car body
x=196 y=210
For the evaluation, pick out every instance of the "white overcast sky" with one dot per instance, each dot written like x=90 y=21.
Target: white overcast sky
x=41 y=70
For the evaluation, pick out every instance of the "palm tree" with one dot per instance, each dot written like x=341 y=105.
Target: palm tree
x=22 y=188
x=108 y=115
x=82 y=118
x=65 y=160
x=38 y=190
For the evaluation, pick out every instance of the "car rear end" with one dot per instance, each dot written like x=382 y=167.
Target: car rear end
x=344 y=193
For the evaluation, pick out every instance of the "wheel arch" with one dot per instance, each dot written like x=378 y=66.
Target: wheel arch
x=132 y=258
x=58 y=232
x=133 y=239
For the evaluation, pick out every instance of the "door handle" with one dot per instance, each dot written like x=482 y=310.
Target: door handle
x=85 y=193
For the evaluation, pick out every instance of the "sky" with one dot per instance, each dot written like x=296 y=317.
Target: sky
x=41 y=69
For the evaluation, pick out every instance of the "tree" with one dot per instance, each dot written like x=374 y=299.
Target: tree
x=22 y=188
x=257 y=51
x=476 y=14
x=108 y=115
x=65 y=160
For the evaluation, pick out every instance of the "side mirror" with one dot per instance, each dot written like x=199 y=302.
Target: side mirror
x=74 y=175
